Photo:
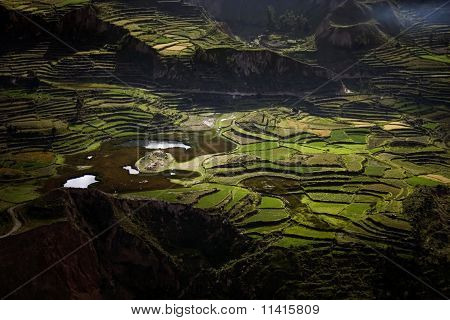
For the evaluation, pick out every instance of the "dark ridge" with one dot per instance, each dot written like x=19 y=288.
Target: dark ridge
x=155 y=250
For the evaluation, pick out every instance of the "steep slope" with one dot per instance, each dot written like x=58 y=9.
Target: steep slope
x=255 y=16
x=355 y=26
x=148 y=50
x=252 y=16
x=149 y=249
x=89 y=245
x=429 y=209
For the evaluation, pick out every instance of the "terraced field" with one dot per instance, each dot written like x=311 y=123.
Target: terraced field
x=298 y=170
x=298 y=176
x=172 y=28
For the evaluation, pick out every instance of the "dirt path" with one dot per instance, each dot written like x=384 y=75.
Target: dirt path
x=240 y=94
x=16 y=223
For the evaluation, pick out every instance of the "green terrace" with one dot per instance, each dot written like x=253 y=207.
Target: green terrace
x=169 y=34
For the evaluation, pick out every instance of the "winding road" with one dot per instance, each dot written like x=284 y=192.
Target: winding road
x=16 y=223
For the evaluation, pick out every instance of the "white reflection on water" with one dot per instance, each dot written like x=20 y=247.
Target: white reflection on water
x=81 y=182
x=166 y=145
x=131 y=170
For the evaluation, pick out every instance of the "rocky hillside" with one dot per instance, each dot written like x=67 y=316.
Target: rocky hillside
x=149 y=249
x=355 y=25
x=193 y=53
x=99 y=246
x=261 y=15
x=255 y=14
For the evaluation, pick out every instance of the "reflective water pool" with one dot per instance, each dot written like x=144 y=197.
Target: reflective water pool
x=81 y=182
x=162 y=145
x=113 y=163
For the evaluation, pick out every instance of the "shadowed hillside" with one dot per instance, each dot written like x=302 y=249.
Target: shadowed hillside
x=151 y=250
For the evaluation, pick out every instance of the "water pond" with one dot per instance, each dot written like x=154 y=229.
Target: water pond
x=113 y=163
x=81 y=182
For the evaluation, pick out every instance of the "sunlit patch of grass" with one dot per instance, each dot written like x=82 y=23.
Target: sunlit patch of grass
x=356 y=211
x=324 y=207
x=437 y=57
x=268 y=215
x=271 y=203
x=422 y=181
